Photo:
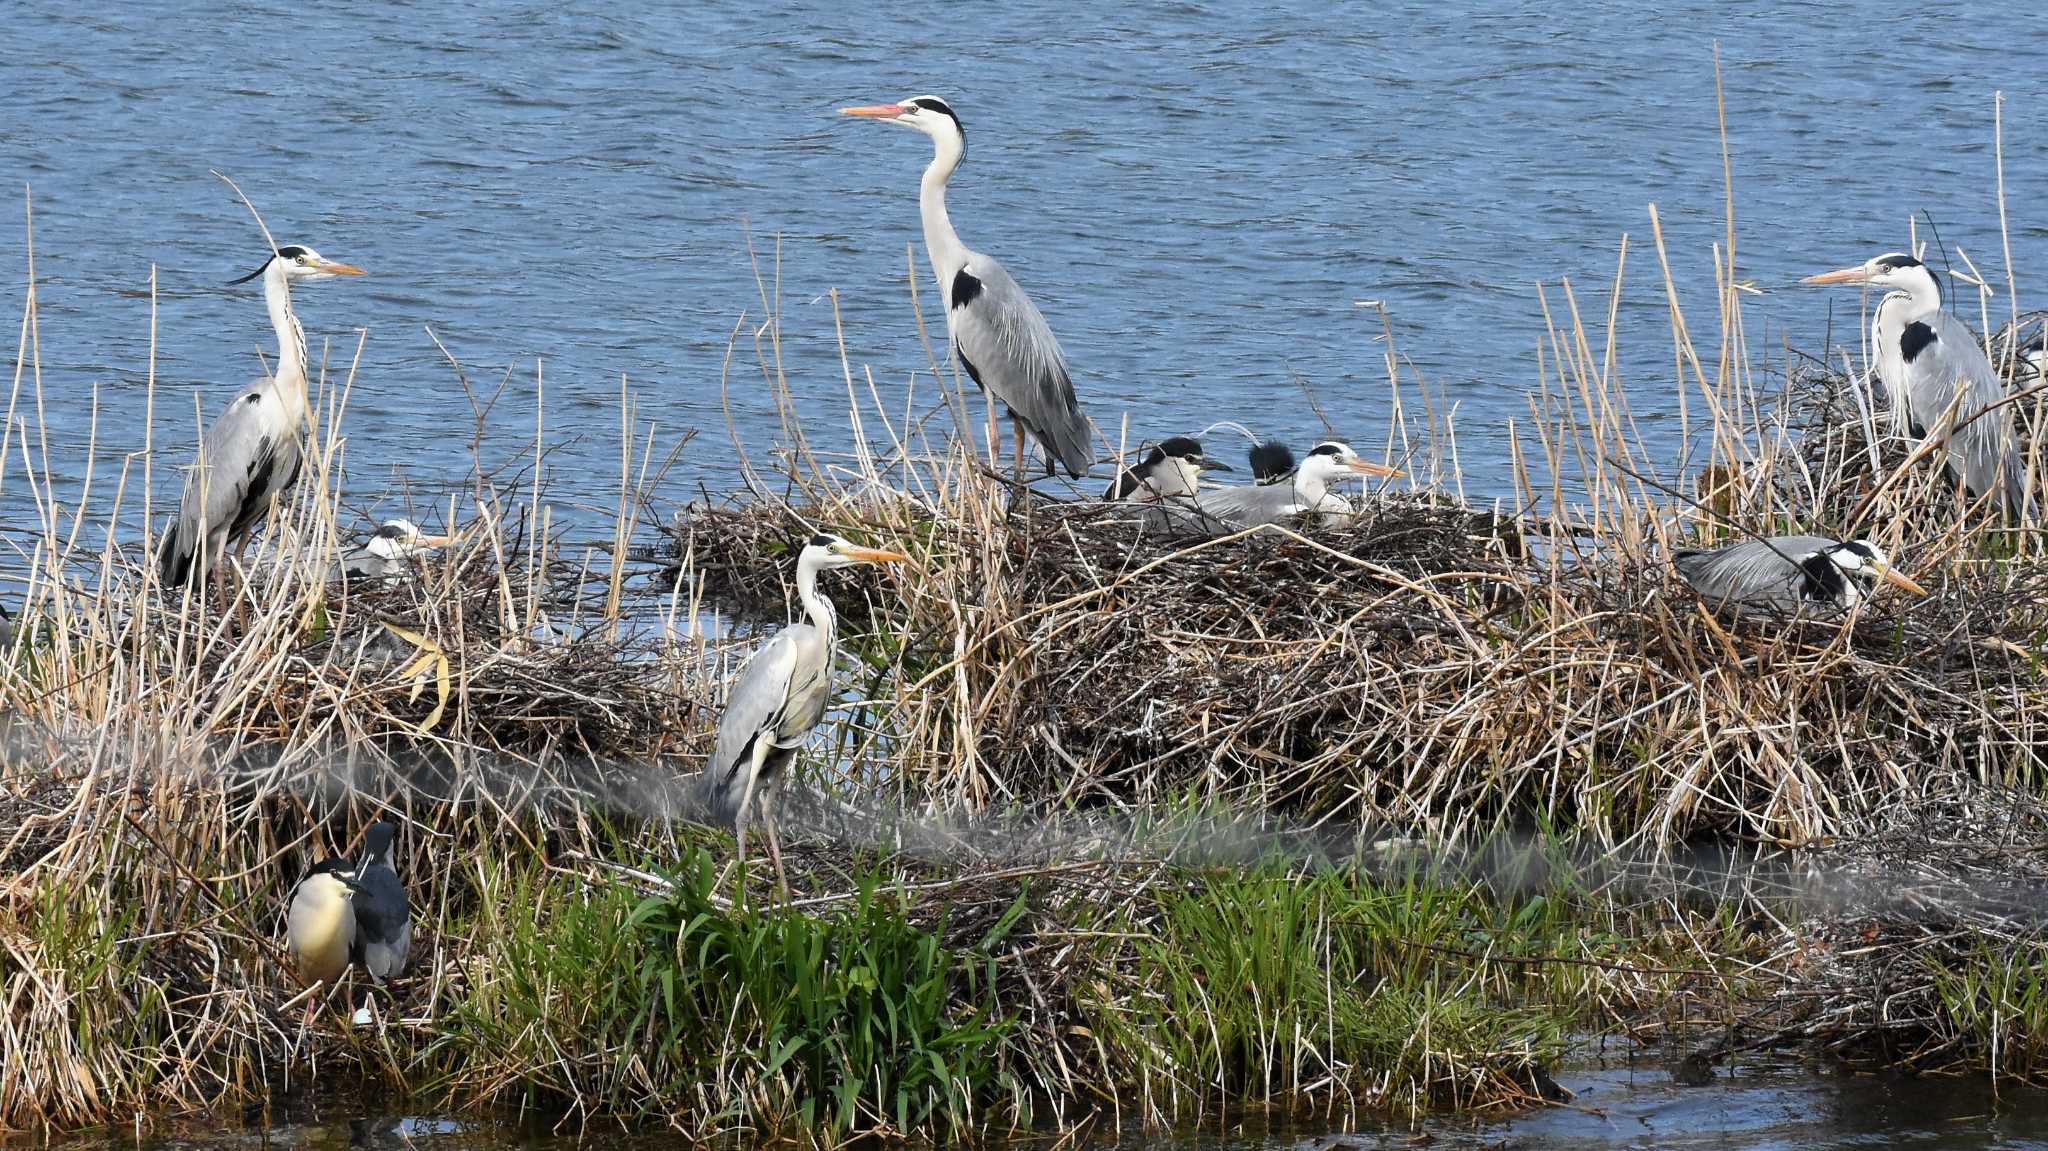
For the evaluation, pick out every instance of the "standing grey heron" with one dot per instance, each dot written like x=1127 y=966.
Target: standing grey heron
x=780 y=696
x=1926 y=358
x=320 y=927
x=1790 y=575
x=389 y=551
x=253 y=450
x=1305 y=490
x=1170 y=470
x=383 y=935
x=1003 y=342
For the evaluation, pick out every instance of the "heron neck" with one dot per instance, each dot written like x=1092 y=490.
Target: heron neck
x=941 y=242
x=1921 y=295
x=291 y=339
x=816 y=606
x=1310 y=488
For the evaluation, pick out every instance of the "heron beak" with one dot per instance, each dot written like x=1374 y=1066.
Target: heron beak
x=1205 y=464
x=1856 y=275
x=876 y=111
x=876 y=555
x=427 y=541
x=1366 y=467
x=1899 y=578
x=336 y=268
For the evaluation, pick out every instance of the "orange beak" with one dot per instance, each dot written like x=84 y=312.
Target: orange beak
x=1900 y=579
x=1368 y=468
x=876 y=555
x=876 y=111
x=335 y=268
x=1855 y=275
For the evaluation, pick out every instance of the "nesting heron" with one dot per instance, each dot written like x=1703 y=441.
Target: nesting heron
x=781 y=694
x=1271 y=461
x=1004 y=344
x=320 y=928
x=1928 y=359
x=252 y=452
x=1170 y=470
x=1305 y=491
x=389 y=551
x=383 y=936
x=1789 y=575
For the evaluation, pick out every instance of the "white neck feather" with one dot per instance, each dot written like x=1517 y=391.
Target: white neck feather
x=291 y=339
x=941 y=243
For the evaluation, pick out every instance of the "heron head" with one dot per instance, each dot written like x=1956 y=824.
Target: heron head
x=928 y=114
x=1865 y=562
x=303 y=265
x=1334 y=460
x=830 y=551
x=401 y=539
x=377 y=842
x=1893 y=271
x=337 y=873
x=1186 y=452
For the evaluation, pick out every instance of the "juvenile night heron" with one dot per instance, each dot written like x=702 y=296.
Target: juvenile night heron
x=1170 y=470
x=1789 y=575
x=781 y=694
x=1927 y=359
x=389 y=551
x=253 y=450
x=1304 y=491
x=1004 y=344
x=383 y=912
x=320 y=928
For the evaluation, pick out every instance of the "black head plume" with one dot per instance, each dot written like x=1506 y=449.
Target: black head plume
x=1271 y=460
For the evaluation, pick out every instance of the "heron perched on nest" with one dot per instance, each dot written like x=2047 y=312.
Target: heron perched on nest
x=1304 y=491
x=1004 y=344
x=1789 y=575
x=1170 y=470
x=389 y=551
x=780 y=696
x=252 y=452
x=1937 y=380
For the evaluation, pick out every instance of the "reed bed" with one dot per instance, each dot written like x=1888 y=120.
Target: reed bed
x=1109 y=821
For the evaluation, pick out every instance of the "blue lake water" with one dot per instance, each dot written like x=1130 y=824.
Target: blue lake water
x=1196 y=194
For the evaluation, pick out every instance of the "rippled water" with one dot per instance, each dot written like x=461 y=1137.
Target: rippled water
x=1196 y=194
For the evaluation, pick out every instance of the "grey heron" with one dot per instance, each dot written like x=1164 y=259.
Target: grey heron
x=780 y=695
x=389 y=551
x=1790 y=575
x=320 y=927
x=1926 y=358
x=383 y=935
x=1171 y=470
x=253 y=451
x=1305 y=490
x=1003 y=342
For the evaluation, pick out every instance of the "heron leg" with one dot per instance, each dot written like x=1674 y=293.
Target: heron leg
x=995 y=435
x=739 y=824
x=774 y=841
x=1017 y=426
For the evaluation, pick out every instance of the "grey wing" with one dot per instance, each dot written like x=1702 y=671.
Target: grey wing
x=1756 y=572
x=1009 y=349
x=1982 y=451
x=752 y=710
x=1248 y=505
x=249 y=455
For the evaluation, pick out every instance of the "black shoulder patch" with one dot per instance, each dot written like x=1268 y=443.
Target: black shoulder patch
x=965 y=289
x=1915 y=338
x=253 y=398
x=1821 y=580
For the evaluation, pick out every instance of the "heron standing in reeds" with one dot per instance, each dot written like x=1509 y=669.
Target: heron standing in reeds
x=1938 y=382
x=1789 y=575
x=781 y=694
x=1307 y=490
x=1004 y=344
x=253 y=451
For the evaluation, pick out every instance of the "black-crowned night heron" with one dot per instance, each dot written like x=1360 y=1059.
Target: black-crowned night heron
x=320 y=928
x=383 y=912
x=1171 y=470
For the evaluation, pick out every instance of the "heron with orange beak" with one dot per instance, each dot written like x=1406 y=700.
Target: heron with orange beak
x=390 y=550
x=1003 y=343
x=1790 y=575
x=1304 y=491
x=781 y=694
x=252 y=452
x=1937 y=379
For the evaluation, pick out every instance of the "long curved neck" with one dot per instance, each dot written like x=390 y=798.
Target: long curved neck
x=1310 y=486
x=1920 y=295
x=291 y=339
x=941 y=242
x=816 y=606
